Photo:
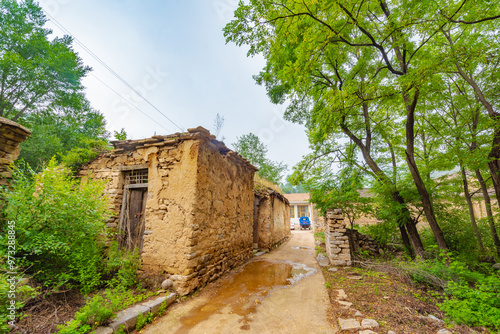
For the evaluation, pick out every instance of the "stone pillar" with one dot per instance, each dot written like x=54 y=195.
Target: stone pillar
x=11 y=135
x=337 y=239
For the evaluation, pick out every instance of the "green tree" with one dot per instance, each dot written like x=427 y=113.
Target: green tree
x=344 y=57
x=251 y=148
x=72 y=136
x=41 y=88
x=36 y=72
x=121 y=135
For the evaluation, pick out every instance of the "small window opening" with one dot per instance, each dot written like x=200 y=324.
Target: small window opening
x=139 y=176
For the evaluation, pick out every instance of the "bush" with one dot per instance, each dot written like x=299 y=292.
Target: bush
x=471 y=297
x=98 y=310
x=474 y=306
x=122 y=266
x=22 y=293
x=59 y=226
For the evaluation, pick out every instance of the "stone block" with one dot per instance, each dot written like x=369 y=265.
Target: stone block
x=369 y=323
x=103 y=330
x=348 y=324
x=128 y=318
x=155 y=304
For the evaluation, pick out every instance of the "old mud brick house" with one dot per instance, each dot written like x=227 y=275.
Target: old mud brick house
x=185 y=200
x=271 y=218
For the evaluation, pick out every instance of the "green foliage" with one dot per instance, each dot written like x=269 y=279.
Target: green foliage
x=73 y=136
x=100 y=308
x=251 y=148
x=384 y=232
x=122 y=267
x=471 y=297
x=120 y=135
x=290 y=188
x=60 y=226
x=77 y=156
x=474 y=306
x=142 y=320
x=38 y=71
x=23 y=292
x=320 y=236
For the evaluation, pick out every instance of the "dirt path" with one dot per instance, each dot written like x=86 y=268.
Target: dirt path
x=245 y=302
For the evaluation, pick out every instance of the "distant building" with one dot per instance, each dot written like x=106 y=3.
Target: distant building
x=301 y=207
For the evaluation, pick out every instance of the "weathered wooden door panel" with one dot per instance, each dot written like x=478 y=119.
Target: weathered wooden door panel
x=132 y=221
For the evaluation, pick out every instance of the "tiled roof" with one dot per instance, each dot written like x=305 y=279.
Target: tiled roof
x=304 y=197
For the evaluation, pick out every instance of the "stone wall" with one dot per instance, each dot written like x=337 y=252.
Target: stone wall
x=11 y=135
x=341 y=242
x=198 y=213
x=272 y=215
x=337 y=239
x=363 y=242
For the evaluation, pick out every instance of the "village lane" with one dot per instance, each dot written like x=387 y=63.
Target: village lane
x=251 y=301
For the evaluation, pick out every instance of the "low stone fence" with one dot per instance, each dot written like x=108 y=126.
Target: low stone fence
x=337 y=239
x=341 y=242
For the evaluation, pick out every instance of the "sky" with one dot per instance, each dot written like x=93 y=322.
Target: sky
x=173 y=52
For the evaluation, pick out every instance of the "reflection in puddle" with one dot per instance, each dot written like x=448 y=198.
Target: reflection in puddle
x=301 y=247
x=245 y=290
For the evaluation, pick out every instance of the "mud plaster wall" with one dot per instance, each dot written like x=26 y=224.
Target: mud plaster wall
x=199 y=206
x=221 y=237
x=273 y=219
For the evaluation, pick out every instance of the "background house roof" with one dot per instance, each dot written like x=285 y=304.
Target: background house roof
x=303 y=197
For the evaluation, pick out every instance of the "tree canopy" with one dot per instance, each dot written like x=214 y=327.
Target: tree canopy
x=41 y=88
x=385 y=76
x=251 y=148
x=36 y=72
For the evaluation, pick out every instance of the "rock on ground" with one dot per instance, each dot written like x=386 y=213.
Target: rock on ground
x=369 y=323
x=323 y=261
x=347 y=324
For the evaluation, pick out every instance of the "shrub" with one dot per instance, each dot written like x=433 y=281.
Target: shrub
x=98 y=310
x=122 y=266
x=474 y=306
x=59 y=225
x=22 y=293
x=471 y=297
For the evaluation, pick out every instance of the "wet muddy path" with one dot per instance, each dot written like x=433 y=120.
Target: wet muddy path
x=279 y=292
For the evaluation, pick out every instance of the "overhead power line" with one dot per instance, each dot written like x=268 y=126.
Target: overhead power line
x=60 y=26
x=126 y=100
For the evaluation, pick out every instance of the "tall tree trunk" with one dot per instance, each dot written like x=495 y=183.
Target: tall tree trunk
x=494 y=163
x=494 y=155
x=406 y=240
x=489 y=213
x=410 y=104
x=409 y=227
x=468 y=198
x=384 y=179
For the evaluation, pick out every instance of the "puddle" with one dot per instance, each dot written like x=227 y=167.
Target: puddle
x=245 y=290
x=302 y=247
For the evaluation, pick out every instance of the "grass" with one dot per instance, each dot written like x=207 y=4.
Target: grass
x=386 y=294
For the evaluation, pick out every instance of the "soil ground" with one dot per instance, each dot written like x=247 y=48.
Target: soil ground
x=299 y=308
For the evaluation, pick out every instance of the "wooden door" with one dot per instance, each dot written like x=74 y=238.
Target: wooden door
x=133 y=220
